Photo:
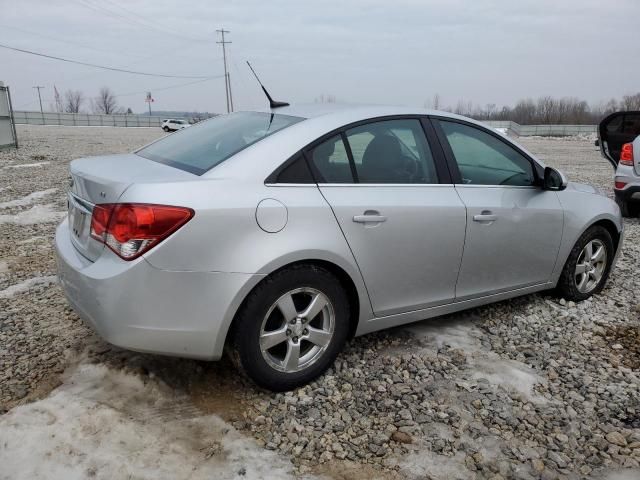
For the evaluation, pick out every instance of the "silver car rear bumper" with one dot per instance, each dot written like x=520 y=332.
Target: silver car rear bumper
x=137 y=306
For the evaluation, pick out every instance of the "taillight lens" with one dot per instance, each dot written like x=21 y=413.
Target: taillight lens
x=626 y=154
x=619 y=185
x=131 y=229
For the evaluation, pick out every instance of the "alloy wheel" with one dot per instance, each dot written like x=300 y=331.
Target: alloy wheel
x=591 y=265
x=297 y=330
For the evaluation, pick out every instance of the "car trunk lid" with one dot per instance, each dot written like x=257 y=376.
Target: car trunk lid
x=104 y=179
x=614 y=131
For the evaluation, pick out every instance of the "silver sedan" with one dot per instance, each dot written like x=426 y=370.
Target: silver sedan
x=282 y=234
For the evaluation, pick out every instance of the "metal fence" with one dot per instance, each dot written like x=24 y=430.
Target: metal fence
x=86 y=119
x=96 y=120
x=8 y=137
x=543 y=130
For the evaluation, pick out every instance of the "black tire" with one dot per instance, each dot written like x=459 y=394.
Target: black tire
x=567 y=287
x=628 y=209
x=249 y=320
x=166 y=129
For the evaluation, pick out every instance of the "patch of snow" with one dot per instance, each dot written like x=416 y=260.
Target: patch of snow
x=4 y=267
x=36 y=214
x=26 y=285
x=427 y=464
x=33 y=239
x=623 y=474
x=460 y=333
x=501 y=130
x=29 y=199
x=28 y=165
x=107 y=424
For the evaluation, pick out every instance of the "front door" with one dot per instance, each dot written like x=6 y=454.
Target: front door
x=514 y=228
x=405 y=229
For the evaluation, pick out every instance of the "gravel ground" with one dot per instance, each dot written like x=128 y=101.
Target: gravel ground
x=535 y=387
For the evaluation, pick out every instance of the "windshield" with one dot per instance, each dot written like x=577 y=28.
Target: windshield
x=210 y=143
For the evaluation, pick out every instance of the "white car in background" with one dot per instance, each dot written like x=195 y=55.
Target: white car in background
x=171 y=125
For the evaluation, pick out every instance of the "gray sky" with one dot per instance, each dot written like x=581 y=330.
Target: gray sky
x=377 y=51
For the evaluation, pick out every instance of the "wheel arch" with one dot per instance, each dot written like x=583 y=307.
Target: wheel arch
x=605 y=221
x=359 y=305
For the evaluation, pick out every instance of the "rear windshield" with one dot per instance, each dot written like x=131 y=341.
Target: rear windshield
x=205 y=145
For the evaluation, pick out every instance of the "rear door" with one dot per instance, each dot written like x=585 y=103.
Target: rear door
x=616 y=130
x=514 y=227
x=398 y=210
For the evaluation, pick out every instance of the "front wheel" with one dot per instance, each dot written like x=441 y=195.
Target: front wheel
x=166 y=129
x=292 y=327
x=587 y=268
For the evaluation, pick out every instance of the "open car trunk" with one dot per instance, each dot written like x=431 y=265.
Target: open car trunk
x=614 y=131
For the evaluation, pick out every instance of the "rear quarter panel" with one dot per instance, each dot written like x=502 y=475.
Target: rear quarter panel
x=224 y=235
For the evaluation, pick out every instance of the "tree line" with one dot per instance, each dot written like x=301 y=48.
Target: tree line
x=545 y=110
x=74 y=101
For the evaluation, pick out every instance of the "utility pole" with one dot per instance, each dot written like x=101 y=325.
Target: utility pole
x=39 y=98
x=227 y=79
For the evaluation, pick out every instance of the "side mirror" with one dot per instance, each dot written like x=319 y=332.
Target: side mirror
x=554 y=179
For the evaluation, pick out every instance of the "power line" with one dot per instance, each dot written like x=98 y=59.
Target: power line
x=130 y=21
x=101 y=66
x=169 y=87
x=75 y=44
x=150 y=23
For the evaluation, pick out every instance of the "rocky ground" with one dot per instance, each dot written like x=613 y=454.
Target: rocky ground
x=535 y=387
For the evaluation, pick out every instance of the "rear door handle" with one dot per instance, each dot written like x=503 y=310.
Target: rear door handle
x=369 y=218
x=485 y=216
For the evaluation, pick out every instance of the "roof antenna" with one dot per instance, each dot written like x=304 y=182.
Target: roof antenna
x=272 y=103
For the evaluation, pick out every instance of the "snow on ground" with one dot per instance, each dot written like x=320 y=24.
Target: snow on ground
x=459 y=332
x=29 y=199
x=36 y=214
x=28 y=165
x=4 y=267
x=26 y=285
x=106 y=424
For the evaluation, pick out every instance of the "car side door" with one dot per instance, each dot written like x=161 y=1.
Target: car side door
x=397 y=208
x=514 y=227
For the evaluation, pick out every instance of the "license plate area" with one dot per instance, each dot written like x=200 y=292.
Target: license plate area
x=79 y=212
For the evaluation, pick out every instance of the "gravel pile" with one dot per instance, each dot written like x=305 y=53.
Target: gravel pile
x=535 y=387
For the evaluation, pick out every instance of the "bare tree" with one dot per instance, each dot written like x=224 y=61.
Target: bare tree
x=73 y=100
x=105 y=102
x=630 y=102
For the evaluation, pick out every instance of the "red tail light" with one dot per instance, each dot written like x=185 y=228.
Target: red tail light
x=131 y=229
x=626 y=154
x=619 y=185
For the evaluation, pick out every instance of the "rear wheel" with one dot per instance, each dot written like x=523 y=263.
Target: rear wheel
x=292 y=327
x=587 y=268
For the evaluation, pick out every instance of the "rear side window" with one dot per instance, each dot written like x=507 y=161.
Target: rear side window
x=296 y=171
x=484 y=159
x=331 y=162
x=392 y=151
x=207 y=144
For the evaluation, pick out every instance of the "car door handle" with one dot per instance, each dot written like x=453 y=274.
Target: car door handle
x=485 y=216
x=369 y=218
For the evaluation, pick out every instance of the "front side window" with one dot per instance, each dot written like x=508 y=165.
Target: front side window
x=210 y=143
x=484 y=159
x=392 y=151
x=331 y=162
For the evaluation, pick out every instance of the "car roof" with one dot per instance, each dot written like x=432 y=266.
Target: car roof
x=356 y=112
